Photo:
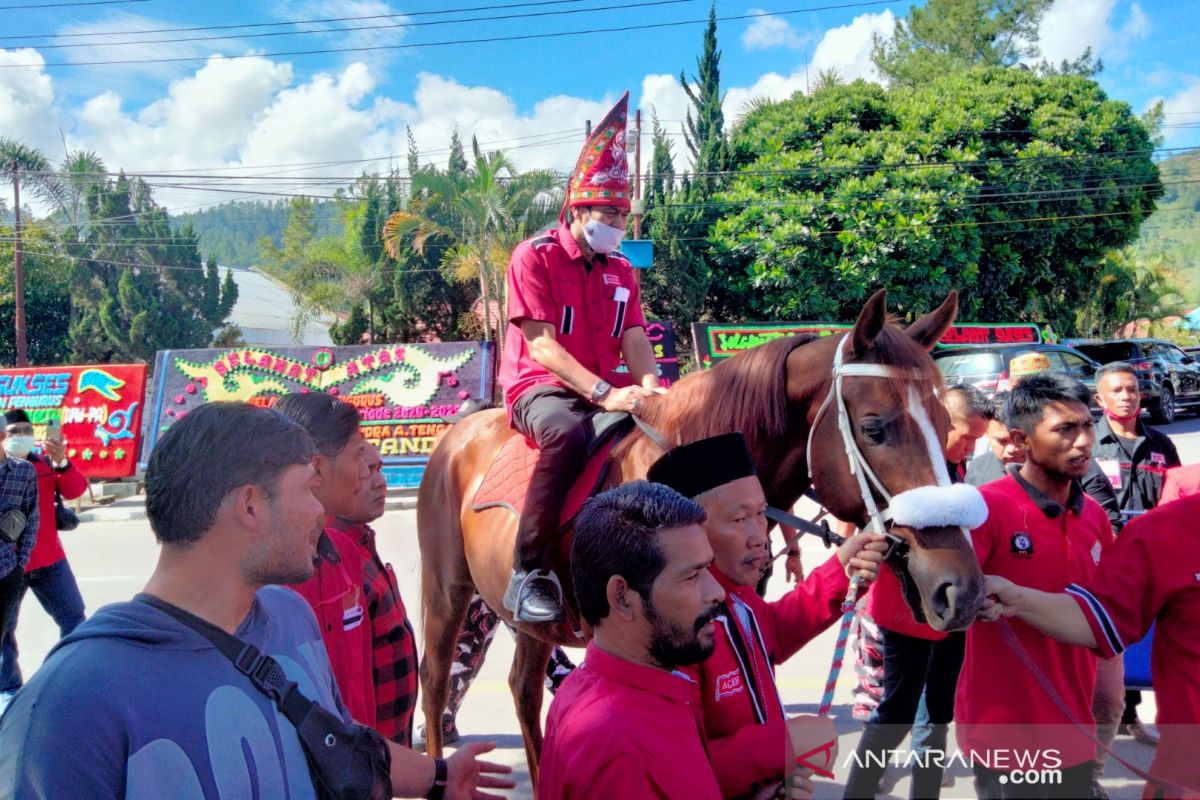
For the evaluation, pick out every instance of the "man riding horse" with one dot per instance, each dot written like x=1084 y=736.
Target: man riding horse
x=574 y=309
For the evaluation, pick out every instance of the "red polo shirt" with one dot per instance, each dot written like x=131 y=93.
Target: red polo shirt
x=1152 y=575
x=744 y=716
x=549 y=281
x=1001 y=711
x=335 y=592
x=617 y=729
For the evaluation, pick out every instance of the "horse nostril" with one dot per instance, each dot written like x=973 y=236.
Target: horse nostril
x=942 y=599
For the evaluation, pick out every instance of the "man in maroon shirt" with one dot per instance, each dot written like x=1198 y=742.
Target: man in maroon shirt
x=1150 y=576
x=626 y=723
x=1044 y=531
x=573 y=312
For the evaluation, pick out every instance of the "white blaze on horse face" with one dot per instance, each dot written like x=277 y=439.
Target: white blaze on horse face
x=916 y=410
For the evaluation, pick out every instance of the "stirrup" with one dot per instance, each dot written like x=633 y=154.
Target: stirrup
x=537 y=574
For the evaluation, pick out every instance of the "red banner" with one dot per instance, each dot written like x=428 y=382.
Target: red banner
x=100 y=408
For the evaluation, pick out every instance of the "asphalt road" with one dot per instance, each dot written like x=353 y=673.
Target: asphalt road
x=113 y=559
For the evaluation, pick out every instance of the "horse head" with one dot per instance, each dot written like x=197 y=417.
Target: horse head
x=877 y=426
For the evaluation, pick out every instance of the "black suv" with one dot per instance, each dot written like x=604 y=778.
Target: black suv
x=986 y=366
x=1169 y=378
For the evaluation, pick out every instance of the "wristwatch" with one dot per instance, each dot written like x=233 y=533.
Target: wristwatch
x=440 y=773
x=600 y=391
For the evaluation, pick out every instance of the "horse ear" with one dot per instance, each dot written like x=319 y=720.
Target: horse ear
x=870 y=323
x=929 y=329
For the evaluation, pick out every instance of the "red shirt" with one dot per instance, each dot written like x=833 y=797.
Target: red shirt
x=617 y=729
x=335 y=592
x=1180 y=482
x=548 y=281
x=394 y=648
x=886 y=605
x=1001 y=711
x=1152 y=575
x=70 y=484
x=744 y=718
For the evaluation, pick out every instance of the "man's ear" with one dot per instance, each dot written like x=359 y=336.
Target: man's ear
x=322 y=465
x=246 y=505
x=1018 y=438
x=623 y=601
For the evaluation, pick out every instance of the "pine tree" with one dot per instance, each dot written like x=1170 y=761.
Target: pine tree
x=704 y=130
x=457 y=165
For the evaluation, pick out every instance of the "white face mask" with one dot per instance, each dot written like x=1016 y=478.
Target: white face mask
x=18 y=446
x=602 y=238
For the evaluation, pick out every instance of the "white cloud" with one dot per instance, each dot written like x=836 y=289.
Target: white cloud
x=847 y=48
x=767 y=32
x=771 y=86
x=386 y=27
x=1069 y=27
x=1182 y=109
x=27 y=111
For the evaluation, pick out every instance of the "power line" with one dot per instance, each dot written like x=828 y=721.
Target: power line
x=64 y=5
x=447 y=43
x=622 y=6
x=140 y=31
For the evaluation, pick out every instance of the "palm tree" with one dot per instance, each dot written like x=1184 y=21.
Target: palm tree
x=80 y=171
x=479 y=215
x=26 y=165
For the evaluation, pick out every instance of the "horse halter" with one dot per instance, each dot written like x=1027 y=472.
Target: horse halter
x=859 y=467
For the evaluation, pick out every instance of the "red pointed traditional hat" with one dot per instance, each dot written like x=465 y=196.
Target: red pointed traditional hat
x=601 y=176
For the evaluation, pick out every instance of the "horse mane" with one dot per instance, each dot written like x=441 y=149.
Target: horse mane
x=746 y=393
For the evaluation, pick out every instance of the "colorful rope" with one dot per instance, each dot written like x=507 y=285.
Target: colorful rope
x=839 y=650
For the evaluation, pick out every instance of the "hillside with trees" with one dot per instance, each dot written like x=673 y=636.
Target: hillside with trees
x=1172 y=234
x=231 y=232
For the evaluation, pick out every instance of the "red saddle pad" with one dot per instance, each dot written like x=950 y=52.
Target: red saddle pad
x=507 y=479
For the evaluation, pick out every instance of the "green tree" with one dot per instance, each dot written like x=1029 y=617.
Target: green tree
x=478 y=215
x=80 y=171
x=945 y=36
x=704 y=130
x=457 y=164
x=1000 y=183
x=47 y=295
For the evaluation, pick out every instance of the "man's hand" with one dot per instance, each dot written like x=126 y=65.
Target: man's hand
x=467 y=776
x=627 y=398
x=800 y=786
x=861 y=555
x=792 y=568
x=1002 y=596
x=57 y=451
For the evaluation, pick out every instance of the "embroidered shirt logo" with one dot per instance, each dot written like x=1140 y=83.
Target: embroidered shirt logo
x=729 y=684
x=1021 y=544
x=1096 y=552
x=1158 y=460
x=611 y=280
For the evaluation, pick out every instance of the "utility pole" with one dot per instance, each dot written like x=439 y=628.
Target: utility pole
x=637 y=177
x=18 y=270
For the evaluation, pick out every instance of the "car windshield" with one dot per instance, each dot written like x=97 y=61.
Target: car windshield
x=1109 y=351
x=967 y=365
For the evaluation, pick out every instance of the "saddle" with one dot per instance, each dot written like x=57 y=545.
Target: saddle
x=507 y=478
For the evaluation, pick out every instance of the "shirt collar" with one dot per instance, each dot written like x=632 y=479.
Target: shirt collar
x=567 y=240
x=1105 y=433
x=672 y=685
x=1047 y=506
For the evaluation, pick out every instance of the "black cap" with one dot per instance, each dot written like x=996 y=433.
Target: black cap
x=14 y=415
x=695 y=468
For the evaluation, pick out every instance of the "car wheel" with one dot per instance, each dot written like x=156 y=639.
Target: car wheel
x=1163 y=410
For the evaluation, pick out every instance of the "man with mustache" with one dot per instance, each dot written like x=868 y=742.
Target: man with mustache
x=753 y=745
x=1044 y=531
x=625 y=724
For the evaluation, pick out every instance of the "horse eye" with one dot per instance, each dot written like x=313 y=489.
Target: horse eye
x=874 y=430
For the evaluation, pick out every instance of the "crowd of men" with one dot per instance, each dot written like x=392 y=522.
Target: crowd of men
x=271 y=631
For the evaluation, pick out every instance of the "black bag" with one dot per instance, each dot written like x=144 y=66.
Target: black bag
x=347 y=762
x=12 y=522
x=64 y=518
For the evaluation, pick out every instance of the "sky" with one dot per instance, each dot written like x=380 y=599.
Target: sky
x=187 y=103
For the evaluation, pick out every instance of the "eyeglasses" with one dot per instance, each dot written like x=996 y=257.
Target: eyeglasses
x=19 y=430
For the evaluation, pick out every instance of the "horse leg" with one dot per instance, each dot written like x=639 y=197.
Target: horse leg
x=443 y=619
x=525 y=680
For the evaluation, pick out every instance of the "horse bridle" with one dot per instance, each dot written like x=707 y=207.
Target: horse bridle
x=859 y=467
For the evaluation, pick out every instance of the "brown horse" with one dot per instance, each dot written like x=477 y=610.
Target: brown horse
x=773 y=394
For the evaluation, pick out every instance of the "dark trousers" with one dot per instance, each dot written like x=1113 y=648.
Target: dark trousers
x=991 y=784
x=557 y=420
x=56 y=589
x=910 y=666
x=12 y=586
x=1132 y=698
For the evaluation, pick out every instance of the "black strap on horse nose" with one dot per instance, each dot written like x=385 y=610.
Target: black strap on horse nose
x=897 y=546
